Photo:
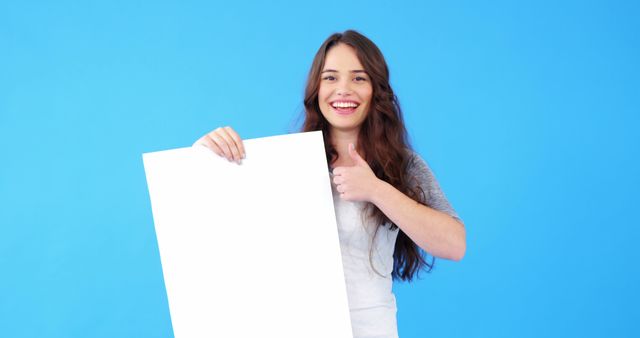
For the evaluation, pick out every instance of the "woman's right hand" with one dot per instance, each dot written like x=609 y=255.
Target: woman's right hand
x=225 y=142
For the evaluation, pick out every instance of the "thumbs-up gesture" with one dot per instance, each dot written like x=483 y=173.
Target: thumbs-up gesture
x=358 y=182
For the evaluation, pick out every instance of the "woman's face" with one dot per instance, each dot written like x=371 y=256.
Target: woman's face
x=345 y=89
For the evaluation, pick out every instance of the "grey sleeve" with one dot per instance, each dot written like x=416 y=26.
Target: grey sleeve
x=421 y=175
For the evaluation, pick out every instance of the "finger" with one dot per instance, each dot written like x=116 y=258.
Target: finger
x=337 y=171
x=338 y=180
x=222 y=143
x=209 y=144
x=237 y=139
x=340 y=188
x=232 y=144
x=354 y=155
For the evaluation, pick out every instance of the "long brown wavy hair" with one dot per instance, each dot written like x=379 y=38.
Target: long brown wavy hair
x=382 y=139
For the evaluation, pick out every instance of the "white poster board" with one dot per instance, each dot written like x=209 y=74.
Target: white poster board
x=249 y=250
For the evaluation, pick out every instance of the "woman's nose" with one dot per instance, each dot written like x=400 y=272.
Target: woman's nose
x=344 y=89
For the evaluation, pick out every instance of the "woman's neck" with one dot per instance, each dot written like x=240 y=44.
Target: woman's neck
x=340 y=140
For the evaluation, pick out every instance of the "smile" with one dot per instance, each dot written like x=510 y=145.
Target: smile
x=344 y=107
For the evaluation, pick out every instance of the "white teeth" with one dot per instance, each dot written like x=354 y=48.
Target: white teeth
x=344 y=104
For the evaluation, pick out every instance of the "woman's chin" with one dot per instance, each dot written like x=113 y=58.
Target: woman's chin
x=344 y=126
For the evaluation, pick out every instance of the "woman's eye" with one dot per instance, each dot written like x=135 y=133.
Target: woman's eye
x=360 y=79
x=329 y=78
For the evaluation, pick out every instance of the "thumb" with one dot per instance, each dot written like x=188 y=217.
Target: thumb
x=355 y=156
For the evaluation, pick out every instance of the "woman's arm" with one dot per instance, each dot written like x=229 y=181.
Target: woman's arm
x=436 y=232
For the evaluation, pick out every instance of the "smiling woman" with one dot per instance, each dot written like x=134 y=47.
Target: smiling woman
x=345 y=90
x=389 y=207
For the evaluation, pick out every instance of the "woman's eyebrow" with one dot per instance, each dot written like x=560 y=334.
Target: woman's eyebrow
x=335 y=71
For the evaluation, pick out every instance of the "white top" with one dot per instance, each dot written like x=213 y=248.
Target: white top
x=372 y=304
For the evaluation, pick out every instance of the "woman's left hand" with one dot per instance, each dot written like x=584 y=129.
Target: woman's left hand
x=358 y=182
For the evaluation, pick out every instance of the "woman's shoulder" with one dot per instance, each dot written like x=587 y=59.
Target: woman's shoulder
x=420 y=175
x=415 y=164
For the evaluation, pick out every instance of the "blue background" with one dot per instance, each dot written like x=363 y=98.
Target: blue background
x=527 y=111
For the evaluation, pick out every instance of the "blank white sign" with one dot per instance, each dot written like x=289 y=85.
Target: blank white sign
x=249 y=250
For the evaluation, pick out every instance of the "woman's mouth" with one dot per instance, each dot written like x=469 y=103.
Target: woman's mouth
x=344 y=107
